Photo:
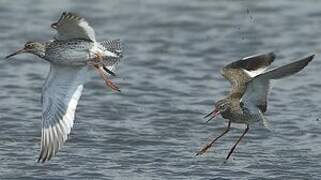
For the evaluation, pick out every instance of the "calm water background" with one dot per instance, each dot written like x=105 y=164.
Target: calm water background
x=169 y=76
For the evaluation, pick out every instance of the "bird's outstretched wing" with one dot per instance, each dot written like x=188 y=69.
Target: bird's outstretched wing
x=241 y=71
x=255 y=95
x=60 y=96
x=71 y=26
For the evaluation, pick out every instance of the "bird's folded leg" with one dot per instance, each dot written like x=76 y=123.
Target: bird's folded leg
x=97 y=63
x=99 y=60
x=103 y=75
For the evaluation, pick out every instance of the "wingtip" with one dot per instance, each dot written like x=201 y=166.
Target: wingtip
x=41 y=160
x=272 y=56
x=289 y=69
x=307 y=59
x=310 y=58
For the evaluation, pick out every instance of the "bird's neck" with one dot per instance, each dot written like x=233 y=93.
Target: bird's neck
x=41 y=51
x=40 y=54
x=232 y=108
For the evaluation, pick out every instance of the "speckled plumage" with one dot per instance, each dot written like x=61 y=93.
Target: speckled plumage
x=247 y=100
x=72 y=54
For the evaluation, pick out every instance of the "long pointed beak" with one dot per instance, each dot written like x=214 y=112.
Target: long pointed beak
x=213 y=113
x=19 y=51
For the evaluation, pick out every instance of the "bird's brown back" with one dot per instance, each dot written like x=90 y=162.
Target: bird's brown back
x=235 y=72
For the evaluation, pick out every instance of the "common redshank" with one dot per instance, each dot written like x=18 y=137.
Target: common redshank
x=247 y=100
x=71 y=55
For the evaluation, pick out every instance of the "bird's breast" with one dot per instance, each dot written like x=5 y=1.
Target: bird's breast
x=69 y=52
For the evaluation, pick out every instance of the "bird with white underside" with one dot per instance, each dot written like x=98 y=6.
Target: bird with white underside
x=250 y=85
x=72 y=54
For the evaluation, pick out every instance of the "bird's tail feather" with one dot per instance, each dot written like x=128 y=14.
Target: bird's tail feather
x=113 y=46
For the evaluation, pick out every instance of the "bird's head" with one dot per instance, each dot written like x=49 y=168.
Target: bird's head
x=221 y=106
x=35 y=48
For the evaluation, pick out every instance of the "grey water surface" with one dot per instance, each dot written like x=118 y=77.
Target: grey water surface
x=169 y=76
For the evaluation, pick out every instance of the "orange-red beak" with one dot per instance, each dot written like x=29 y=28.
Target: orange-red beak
x=213 y=114
x=19 y=51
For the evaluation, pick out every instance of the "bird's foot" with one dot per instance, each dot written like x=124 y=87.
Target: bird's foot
x=204 y=149
x=102 y=74
x=112 y=85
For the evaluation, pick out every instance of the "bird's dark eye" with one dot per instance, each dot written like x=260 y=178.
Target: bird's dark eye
x=29 y=45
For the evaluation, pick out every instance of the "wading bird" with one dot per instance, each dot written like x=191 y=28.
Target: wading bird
x=250 y=84
x=72 y=54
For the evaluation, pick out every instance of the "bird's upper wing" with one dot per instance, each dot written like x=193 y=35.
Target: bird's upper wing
x=60 y=96
x=241 y=71
x=71 y=26
x=257 y=89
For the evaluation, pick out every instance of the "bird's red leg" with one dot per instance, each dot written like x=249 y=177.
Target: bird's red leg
x=105 y=78
x=209 y=145
x=231 y=151
x=99 y=68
